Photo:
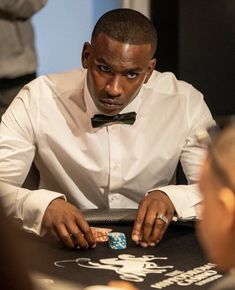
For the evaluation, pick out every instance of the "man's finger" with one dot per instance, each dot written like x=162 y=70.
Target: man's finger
x=86 y=232
x=158 y=231
x=138 y=225
x=147 y=229
x=64 y=235
x=77 y=236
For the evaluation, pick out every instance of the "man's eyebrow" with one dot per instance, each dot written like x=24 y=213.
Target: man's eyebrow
x=133 y=69
x=101 y=60
x=127 y=70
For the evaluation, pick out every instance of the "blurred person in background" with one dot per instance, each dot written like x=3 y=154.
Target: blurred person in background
x=217 y=228
x=18 y=58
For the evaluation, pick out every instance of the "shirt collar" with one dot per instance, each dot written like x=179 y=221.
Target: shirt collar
x=90 y=105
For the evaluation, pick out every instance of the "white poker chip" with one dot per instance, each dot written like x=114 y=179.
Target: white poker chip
x=117 y=240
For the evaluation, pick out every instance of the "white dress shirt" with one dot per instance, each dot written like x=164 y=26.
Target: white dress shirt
x=112 y=166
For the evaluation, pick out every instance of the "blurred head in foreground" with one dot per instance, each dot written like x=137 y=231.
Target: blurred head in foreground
x=217 y=183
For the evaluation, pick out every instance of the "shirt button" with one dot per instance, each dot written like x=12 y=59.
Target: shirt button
x=116 y=166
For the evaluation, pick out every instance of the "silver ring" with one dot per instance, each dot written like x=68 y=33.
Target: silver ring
x=163 y=218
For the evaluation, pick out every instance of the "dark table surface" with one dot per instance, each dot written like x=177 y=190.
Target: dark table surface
x=177 y=262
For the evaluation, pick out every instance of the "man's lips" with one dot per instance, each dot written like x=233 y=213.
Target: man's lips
x=111 y=102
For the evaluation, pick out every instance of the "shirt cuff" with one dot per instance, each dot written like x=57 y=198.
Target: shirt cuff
x=184 y=197
x=34 y=208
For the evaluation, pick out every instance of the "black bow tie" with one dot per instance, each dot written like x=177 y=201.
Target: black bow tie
x=99 y=120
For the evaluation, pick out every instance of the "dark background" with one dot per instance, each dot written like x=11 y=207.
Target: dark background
x=197 y=43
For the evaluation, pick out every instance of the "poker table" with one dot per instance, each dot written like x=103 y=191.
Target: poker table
x=177 y=262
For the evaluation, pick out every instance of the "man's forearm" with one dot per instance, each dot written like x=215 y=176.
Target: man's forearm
x=27 y=205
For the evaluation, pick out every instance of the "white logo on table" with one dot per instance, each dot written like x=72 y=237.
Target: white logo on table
x=135 y=269
x=128 y=267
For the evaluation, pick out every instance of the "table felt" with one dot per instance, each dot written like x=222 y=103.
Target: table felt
x=177 y=262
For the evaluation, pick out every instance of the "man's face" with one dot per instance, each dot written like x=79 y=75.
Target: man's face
x=116 y=72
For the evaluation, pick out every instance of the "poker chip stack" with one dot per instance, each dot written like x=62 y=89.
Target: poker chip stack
x=117 y=241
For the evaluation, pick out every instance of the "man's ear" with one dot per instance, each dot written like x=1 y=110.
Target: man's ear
x=86 y=52
x=151 y=66
x=227 y=199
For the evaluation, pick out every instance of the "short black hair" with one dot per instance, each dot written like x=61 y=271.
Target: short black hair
x=127 y=26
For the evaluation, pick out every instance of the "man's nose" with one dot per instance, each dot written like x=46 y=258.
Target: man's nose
x=114 y=86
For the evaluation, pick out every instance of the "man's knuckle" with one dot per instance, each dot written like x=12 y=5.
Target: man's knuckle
x=86 y=231
x=76 y=232
x=148 y=225
x=142 y=202
x=160 y=225
x=139 y=220
x=64 y=236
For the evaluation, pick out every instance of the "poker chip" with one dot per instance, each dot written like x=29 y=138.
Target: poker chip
x=117 y=241
x=100 y=234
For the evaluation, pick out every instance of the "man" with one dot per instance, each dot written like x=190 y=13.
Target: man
x=86 y=164
x=18 y=59
x=217 y=183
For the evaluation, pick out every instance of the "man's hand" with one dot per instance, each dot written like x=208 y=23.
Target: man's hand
x=64 y=220
x=148 y=227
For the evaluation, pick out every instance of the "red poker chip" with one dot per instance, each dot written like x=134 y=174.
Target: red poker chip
x=100 y=234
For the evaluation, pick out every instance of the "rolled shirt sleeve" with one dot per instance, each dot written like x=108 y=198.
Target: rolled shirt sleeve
x=21 y=8
x=31 y=208
x=27 y=205
x=185 y=199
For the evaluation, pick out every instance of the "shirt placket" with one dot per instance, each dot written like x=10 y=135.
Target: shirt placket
x=115 y=166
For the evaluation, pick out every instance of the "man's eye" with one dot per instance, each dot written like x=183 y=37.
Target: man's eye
x=104 y=68
x=131 y=75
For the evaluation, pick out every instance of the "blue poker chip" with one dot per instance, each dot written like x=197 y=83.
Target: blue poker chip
x=117 y=241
